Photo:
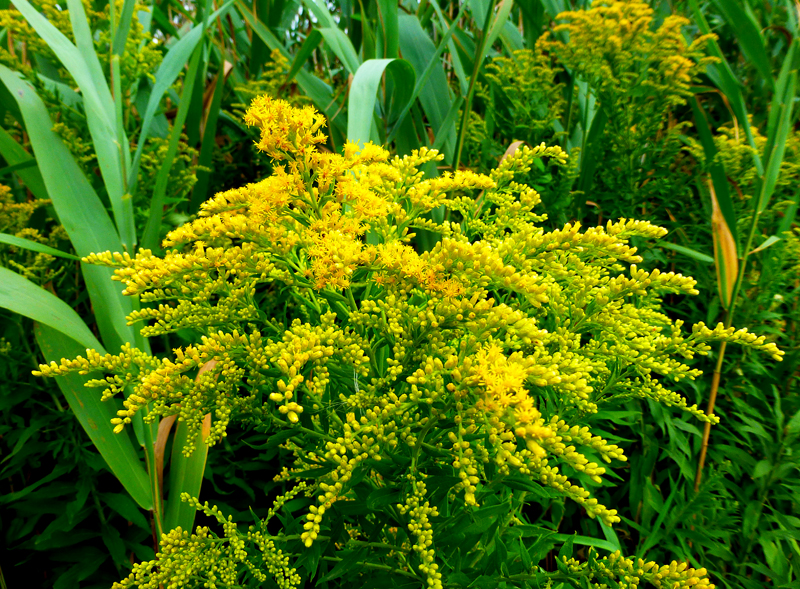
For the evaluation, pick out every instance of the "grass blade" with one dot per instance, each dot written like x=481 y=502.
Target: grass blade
x=25 y=298
x=15 y=154
x=209 y=143
x=123 y=28
x=717 y=171
x=97 y=99
x=423 y=79
x=389 y=39
x=95 y=416
x=342 y=47
x=153 y=227
x=185 y=475
x=776 y=142
x=79 y=209
x=748 y=35
x=725 y=256
x=319 y=91
x=726 y=81
x=34 y=246
x=435 y=96
x=364 y=87
x=308 y=47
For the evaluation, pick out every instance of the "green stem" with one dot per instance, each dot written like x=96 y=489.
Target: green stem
x=472 y=83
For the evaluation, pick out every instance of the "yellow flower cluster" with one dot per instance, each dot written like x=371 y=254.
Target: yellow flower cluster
x=184 y=557
x=615 y=46
x=478 y=358
x=615 y=570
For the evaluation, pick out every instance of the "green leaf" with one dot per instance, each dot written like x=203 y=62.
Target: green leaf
x=95 y=416
x=724 y=78
x=16 y=155
x=185 y=476
x=498 y=23
x=768 y=242
x=763 y=467
x=79 y=209
x=341 y=46
x=749 y=37
x=364 y=87
x=584 y=541
x=349 y=560
x=123 y=505
x=694 y=254
x=22 y=296
x=150 y=237
x=435 y=96
x=423 y=79
x=84 y=67
x=123 y=27
x=34 y=246
x=308 y=47
x=718 y=176
x=776 y=142
x=319 y=91
x=389 y=39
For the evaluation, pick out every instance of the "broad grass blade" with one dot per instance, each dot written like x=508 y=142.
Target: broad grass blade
x=319 y=92
x=423 y=79
x=748 y=34
x=79 y=209
x=15 y=154
x=153 y=227
x=209 y=144
x=99 y=106
x=123 y=27
x=35 y=246
x=363 y=90
x=171 y=66
x=776 y=142
x=718 y=176
x=95 y=416
x=22 y=296
x=389 y=38
x=726 y=81
x=186 y=472
x=342 y=47
x=435 y=96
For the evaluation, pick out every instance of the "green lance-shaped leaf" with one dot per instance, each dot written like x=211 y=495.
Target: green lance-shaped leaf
x=34 y=246
x=363 y=90
x=435 y=95
x=16 y=155
x=67 y=337
x=78 y=208
x=83 y=65
x=22 y=296
x=317 y=90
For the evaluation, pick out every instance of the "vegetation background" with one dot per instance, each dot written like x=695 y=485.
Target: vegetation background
x=120 y=119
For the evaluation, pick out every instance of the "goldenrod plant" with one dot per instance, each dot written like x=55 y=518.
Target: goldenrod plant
x=424 y=401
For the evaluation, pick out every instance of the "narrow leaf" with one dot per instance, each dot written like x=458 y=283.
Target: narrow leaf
x=34 y=246
x=361 y=102
x=95 y=416
x=79 y=209
x=727 y=261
